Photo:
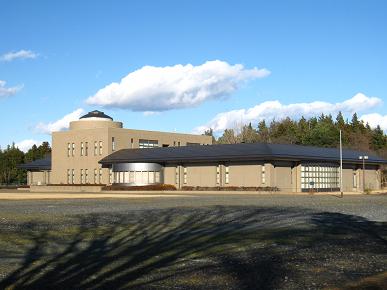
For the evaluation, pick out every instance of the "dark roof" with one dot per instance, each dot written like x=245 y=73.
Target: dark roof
x=236 y=152
x=39 y=164
x=96 y=114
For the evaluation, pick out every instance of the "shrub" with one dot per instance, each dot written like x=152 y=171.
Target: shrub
x=229 y=188
x=139 y=187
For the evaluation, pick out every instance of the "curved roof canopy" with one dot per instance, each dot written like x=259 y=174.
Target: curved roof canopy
x=96 y=114
x=237 y=152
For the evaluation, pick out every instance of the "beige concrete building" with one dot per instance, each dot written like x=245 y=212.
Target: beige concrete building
x=97 y=151
x=289 y=168
x=76 y=152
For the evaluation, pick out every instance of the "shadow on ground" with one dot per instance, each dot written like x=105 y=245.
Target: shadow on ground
x=210 y=248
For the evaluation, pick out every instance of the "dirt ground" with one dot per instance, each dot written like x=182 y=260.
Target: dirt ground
x=220 y=241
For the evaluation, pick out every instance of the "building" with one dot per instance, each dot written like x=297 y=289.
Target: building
x=291 y=168
x=97 y=150
x=76 y=152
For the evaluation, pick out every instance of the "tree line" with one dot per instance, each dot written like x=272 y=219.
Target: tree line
x=320 y=131
x=12 y=156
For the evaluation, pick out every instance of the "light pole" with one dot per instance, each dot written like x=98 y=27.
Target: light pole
x=341 y=167
x=364 y=158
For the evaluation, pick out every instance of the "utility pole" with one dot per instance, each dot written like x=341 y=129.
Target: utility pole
x=341 y=167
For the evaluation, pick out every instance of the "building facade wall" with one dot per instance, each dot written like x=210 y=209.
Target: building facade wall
x=38 y=177
x=285 y=176
x=103 y=134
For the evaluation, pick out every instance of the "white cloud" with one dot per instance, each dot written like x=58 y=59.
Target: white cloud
x=172 y=87
x=10 y=91
x=375 y=119
x=21 y=54
x=150 y=113
x=25 y=145
x=275 y=110
x=60 y=124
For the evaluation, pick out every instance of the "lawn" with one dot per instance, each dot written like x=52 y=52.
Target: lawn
x=204 y=242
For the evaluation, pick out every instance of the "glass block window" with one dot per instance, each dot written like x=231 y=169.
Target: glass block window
x=185 y=175
x=218 y=174
x=227 y=180
x=320 y=176
x=263 y=174
x=177 y=175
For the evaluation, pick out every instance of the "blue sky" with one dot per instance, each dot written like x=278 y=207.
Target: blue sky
x=54 y=56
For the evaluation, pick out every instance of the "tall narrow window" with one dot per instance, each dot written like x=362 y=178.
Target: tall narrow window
x=100 y=176
x=72 y=176
x=100 y=147
x=82 y=149
x=185 y=175
x=68 y=149
x=68 y=176
x=354 y=180
x=73 y=149
x=95 y=148
x=113 y=144
x=95 y=176
x=81 y=176
x=218 y=174
x=227 y=177
x=177 y=175
x=178 y=143
x=86 y=148
x=111 y=176
x=131 y=143
x=86 y=176
x=263 y=175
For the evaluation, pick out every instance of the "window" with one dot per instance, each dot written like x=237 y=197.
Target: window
x=86 y=148
x=110 y=176
x=100 y=176
x=185 y=175
x=178 y=143
x=95 y=176
x=177 y=175
x=320 y=176
x=73 y=149
x=68 y=149
x=81 y=176
x=100 y=147
x=354 y=179
x=113 y=144
x=218 y=174
x=143 y=143
x=95 y=148
x=86 y=176
x=68 y=175
x=131 y=143
x=227 y=175
x=72 y=176
x=82 y=149
x=263 y=174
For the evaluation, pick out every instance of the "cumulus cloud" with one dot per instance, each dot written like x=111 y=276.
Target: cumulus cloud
x=21 y=54
x=25 y=145
x=60 y=124
x=8 y=91
x=375 y=119
x=172 y=87
x=275 y=110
